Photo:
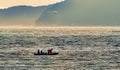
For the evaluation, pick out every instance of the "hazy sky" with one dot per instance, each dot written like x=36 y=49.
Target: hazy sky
x=9 y=3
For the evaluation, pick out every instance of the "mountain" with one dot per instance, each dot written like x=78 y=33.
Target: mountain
x=54 y=14
x=82 y=12
x=65 y=13
x=20 y=15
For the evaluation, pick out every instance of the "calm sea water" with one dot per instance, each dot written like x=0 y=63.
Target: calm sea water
x=79 y=49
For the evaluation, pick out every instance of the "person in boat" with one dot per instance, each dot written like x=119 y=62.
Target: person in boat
x=38 y=52
x=41 y=52
x=50 y=51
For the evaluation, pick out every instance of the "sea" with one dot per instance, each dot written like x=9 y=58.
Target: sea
x=79 y=48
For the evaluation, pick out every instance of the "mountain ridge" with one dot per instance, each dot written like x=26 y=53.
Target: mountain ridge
x=65 y=13
x=24 y=14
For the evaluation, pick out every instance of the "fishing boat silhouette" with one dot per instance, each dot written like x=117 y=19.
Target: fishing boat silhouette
x=49 y=52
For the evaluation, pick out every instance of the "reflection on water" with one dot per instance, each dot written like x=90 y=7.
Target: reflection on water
x=78 y=49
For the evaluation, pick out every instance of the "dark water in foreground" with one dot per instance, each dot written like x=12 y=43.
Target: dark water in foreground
x=78 y=49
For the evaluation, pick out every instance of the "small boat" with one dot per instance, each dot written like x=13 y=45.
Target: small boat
x=46 y=53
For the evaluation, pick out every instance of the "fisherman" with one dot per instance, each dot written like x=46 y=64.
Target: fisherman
x=50 y=51
x=41 y=52
x=38 y=52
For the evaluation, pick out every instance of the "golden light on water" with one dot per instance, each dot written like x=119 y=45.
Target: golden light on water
x=60 y=27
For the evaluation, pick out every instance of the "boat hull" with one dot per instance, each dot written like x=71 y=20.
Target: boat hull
x=46 y=54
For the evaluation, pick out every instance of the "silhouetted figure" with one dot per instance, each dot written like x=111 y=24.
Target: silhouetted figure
x=38 y=51
x=50 y=51
x=41 y=52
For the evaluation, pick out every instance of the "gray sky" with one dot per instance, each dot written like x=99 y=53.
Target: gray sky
x=101 y=12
